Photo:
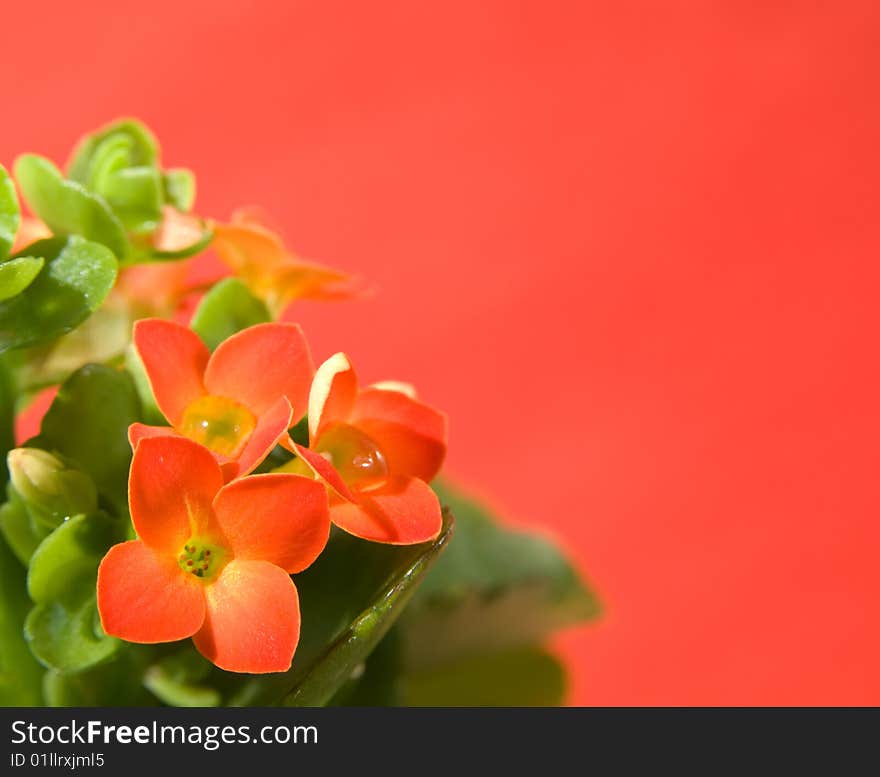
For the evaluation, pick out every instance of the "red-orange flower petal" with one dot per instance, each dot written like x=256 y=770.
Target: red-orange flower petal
x=260 y=364
x=332 y=395
x=279 y=518
x=326 y=471
x=404 y=511
x=252 y=621
x=138 y=431
x=271 y=429
x=172 y=484
x=410 y=434
x=174 y=359
x=143 y=597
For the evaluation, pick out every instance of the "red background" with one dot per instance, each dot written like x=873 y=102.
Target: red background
x=631 y=249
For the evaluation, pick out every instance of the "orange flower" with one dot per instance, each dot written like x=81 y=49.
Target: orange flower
x=212 y=562
x=375 y=448
x=278 y=277
x=239 y=401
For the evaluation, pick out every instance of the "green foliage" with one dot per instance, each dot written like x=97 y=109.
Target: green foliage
x=17 y=274
x=349 y=598
x=63 y=629
x=76 y=278
x=519 y=677
x=9 y=213
x=176 y=680
x=88 y=424
x=67 y=207
x=495 y=589
x=20 y=674
x=114 y=193
x=226 y=309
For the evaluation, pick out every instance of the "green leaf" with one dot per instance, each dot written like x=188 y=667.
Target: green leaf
x=68 y=558
x=67 y=207
x=495 y=589
x=180 y=188
x=175 y=680
x=17 y=274
x=116 y=683
x=8 y=395
x=10 y=215
x=20 y=674
x=66 y=636
x=88 y=423
x=520 y=677
x=77 y=277
x=135 y=140
x=63 y=629
x=349 y=598
x=22 y=534
x=135 y=196
x=226 y=309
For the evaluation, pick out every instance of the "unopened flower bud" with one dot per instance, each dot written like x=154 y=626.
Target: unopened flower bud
x=48 y=486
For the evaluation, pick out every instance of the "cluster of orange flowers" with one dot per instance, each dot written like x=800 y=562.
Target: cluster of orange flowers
x=216 y=544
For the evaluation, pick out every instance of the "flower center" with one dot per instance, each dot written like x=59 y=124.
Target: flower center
x=202 y=559
x=355 y=455
x=218 y=423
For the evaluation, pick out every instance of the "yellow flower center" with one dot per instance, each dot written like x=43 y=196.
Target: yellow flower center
x=218 y=423
x=201 y=559
x=355 y=455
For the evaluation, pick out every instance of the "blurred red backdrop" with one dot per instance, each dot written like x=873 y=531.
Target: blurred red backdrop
x=630 y=247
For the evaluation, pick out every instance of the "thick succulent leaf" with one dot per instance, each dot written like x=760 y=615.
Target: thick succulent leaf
x=226 y=309
x=67 y=207
x=76 y=278
x=21 y=533
x=10 y=216
x=495 y=589
x=177 y=679
x=520 y=677
x=88 y=423
x=63 y=630
x=68 y=558
x=17 y=274
x=135 y=195
x=349 y=599
x=67 y=636
x=20 y=674
x=180 y=188
x=128 y=137
x=7 y=417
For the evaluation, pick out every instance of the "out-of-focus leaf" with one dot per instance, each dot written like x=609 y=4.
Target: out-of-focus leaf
x=112 y=684
x=63 y=629
x=10 y=215
x=126 y=137
x=135 y=195
x=7 y=417
x=20 y=674
x=180 y=188
x=67 y=207
x=495 y=589
x=520 y=677
x=176 y=680
x=17 y=274
x=76 y=278
x=88 y=423
x=226 y=309
x=343 y=622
